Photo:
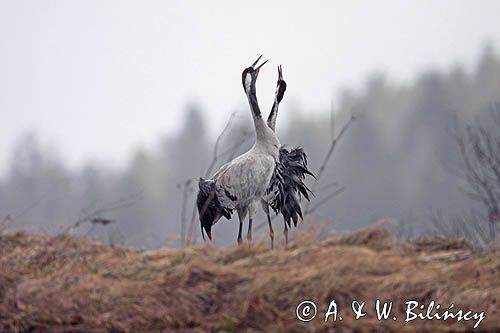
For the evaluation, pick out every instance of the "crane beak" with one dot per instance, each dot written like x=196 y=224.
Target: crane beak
x=256 y=61
x=256 y=69
x=280 y=73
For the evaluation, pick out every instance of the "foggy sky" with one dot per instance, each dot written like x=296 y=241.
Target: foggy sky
x=97 y=78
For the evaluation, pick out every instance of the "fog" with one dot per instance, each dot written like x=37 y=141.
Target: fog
x=114 y=106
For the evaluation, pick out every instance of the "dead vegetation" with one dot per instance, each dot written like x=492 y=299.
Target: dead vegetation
x=65 y=284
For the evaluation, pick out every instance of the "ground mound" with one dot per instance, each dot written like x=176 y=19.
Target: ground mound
x=64 y=284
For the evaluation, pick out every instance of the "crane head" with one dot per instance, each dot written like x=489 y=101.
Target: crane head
x=281 y=85
x=249 y=75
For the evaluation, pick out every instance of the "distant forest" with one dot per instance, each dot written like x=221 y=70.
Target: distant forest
x=398 y=162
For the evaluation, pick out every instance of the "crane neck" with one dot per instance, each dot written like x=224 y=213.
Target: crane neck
x=260 y=125
x=271 y=120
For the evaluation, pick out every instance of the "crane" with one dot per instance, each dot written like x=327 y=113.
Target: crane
x=240 y=184
x=287 y=183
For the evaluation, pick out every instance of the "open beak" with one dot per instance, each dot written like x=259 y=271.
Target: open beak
x=256 y=61
x=256 y=69
x=280 y=73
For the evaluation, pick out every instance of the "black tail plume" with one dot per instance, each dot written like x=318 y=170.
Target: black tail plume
x=288 y=183
x=209 y=207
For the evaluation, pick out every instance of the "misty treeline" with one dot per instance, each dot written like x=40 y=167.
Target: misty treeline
x=400 y=163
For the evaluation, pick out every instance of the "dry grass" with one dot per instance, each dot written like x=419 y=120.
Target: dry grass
x=69 y=285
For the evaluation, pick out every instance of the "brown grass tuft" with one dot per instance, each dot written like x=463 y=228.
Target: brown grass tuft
x=373 y=237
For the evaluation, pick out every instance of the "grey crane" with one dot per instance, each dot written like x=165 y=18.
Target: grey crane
x=241 y=183
x=287 y=183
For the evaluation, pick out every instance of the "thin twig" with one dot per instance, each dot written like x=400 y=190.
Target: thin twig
x=261 y=225
x=325 y=200
x=327 y=187
x=185 y=187
x=234 y=149
x=326 y=159
x=333 y=144
x=26 y=209
x=332 y=121
x=215 y=154
x=95 y=218
x=479 y=148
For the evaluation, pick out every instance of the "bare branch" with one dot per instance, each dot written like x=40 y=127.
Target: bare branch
x=465 y=225
x=4 y=224
x=324 y=200
x=234 y=149
x=479 y=147
x=332 y=121
x=333 y=144
x=26 y=209
x=215 y=154
x=327 y=187
x=185 y=187
x=95 y=217
x=326 y=159
x=261 y=225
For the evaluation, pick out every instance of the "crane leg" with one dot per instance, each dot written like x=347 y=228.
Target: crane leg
x=271 y=231
x=252 y=209
x=286 y=234
x=239 y=231
x=249 y=234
